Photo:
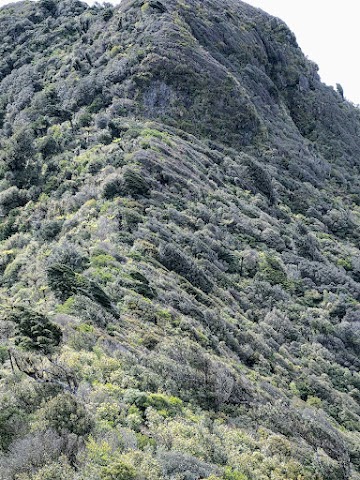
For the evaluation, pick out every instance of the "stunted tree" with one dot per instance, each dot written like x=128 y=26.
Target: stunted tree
x=48 y=6
x=35 y=331
x=20 y=158
x=340 y=90
x=65 y=283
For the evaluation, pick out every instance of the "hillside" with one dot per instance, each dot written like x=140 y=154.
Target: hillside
x=179 y=247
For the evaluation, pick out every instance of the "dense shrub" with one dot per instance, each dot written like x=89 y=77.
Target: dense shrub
x=184 y=466
x=180 y=163
x=175 y=260
x=68 y=254
x=113 y=187
x=65 y=413
x=135 y=184
x=35 y=331
x=65 y=282
x=118 y=471
x=12 y=198
x=50 y=229
x=62 y=280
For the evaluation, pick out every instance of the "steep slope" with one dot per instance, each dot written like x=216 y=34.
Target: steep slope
x=179 y=259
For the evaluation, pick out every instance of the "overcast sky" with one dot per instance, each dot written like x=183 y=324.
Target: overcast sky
x=327 y=31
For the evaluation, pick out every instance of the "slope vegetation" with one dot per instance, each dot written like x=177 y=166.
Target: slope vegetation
x=179 y=256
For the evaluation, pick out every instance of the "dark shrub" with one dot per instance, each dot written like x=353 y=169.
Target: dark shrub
x=35 y=331
x=50 y=229
x=65 y=413
x=12 y=198
x=113 y=187
x=135 y=184
x=175 y=260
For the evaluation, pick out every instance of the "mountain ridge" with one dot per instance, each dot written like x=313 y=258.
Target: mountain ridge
x=179 y=258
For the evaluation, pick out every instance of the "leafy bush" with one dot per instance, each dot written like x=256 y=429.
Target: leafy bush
x=13 y=423
x=65 y=413
x=142 y=285
x=272 y=271
x=231 y=474
x=118 y=471
x=184 y=467
x=20 y=158
x=113 y=187
x=50 y=229
x=68 y=254
x=135 y=184
x=12 y=198
x=54 y=471
x=65 y=282
x=175 y=260
x=62 y=280
x=35 y=331
x=162 y=403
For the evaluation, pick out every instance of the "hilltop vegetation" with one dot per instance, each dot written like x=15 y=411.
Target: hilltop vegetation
x=179 y=257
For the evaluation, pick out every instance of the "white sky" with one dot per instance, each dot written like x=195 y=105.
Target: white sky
x=327 y=31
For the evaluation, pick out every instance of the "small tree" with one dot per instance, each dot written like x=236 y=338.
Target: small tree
x=65 y=283
x=135 y=184
x=118 y=471
x=48 y=6
x=64 y=413
x=340 y=90
x=35 y=331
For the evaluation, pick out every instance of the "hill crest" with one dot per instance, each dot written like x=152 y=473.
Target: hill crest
x=179 y=257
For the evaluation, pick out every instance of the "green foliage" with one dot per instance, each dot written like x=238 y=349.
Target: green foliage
x=272 y=271
x=135 y=184
x=164 y=404
x=181 y=164
x=35 y=331
x=62 y=280
x=11 y=420
x=50 y=229
x=113 y=187
x=4 y=355
x=48 y=146
x=20 y=158
x=231 y=474
x=12 y=198
x=9 y=227
x=48 y=5
x=85 y=119
x=258 y=178
x=65 y=282
x=64 y=413
x=141 y=285
x=118 y=471
x=54 y=471
x=175 y=260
